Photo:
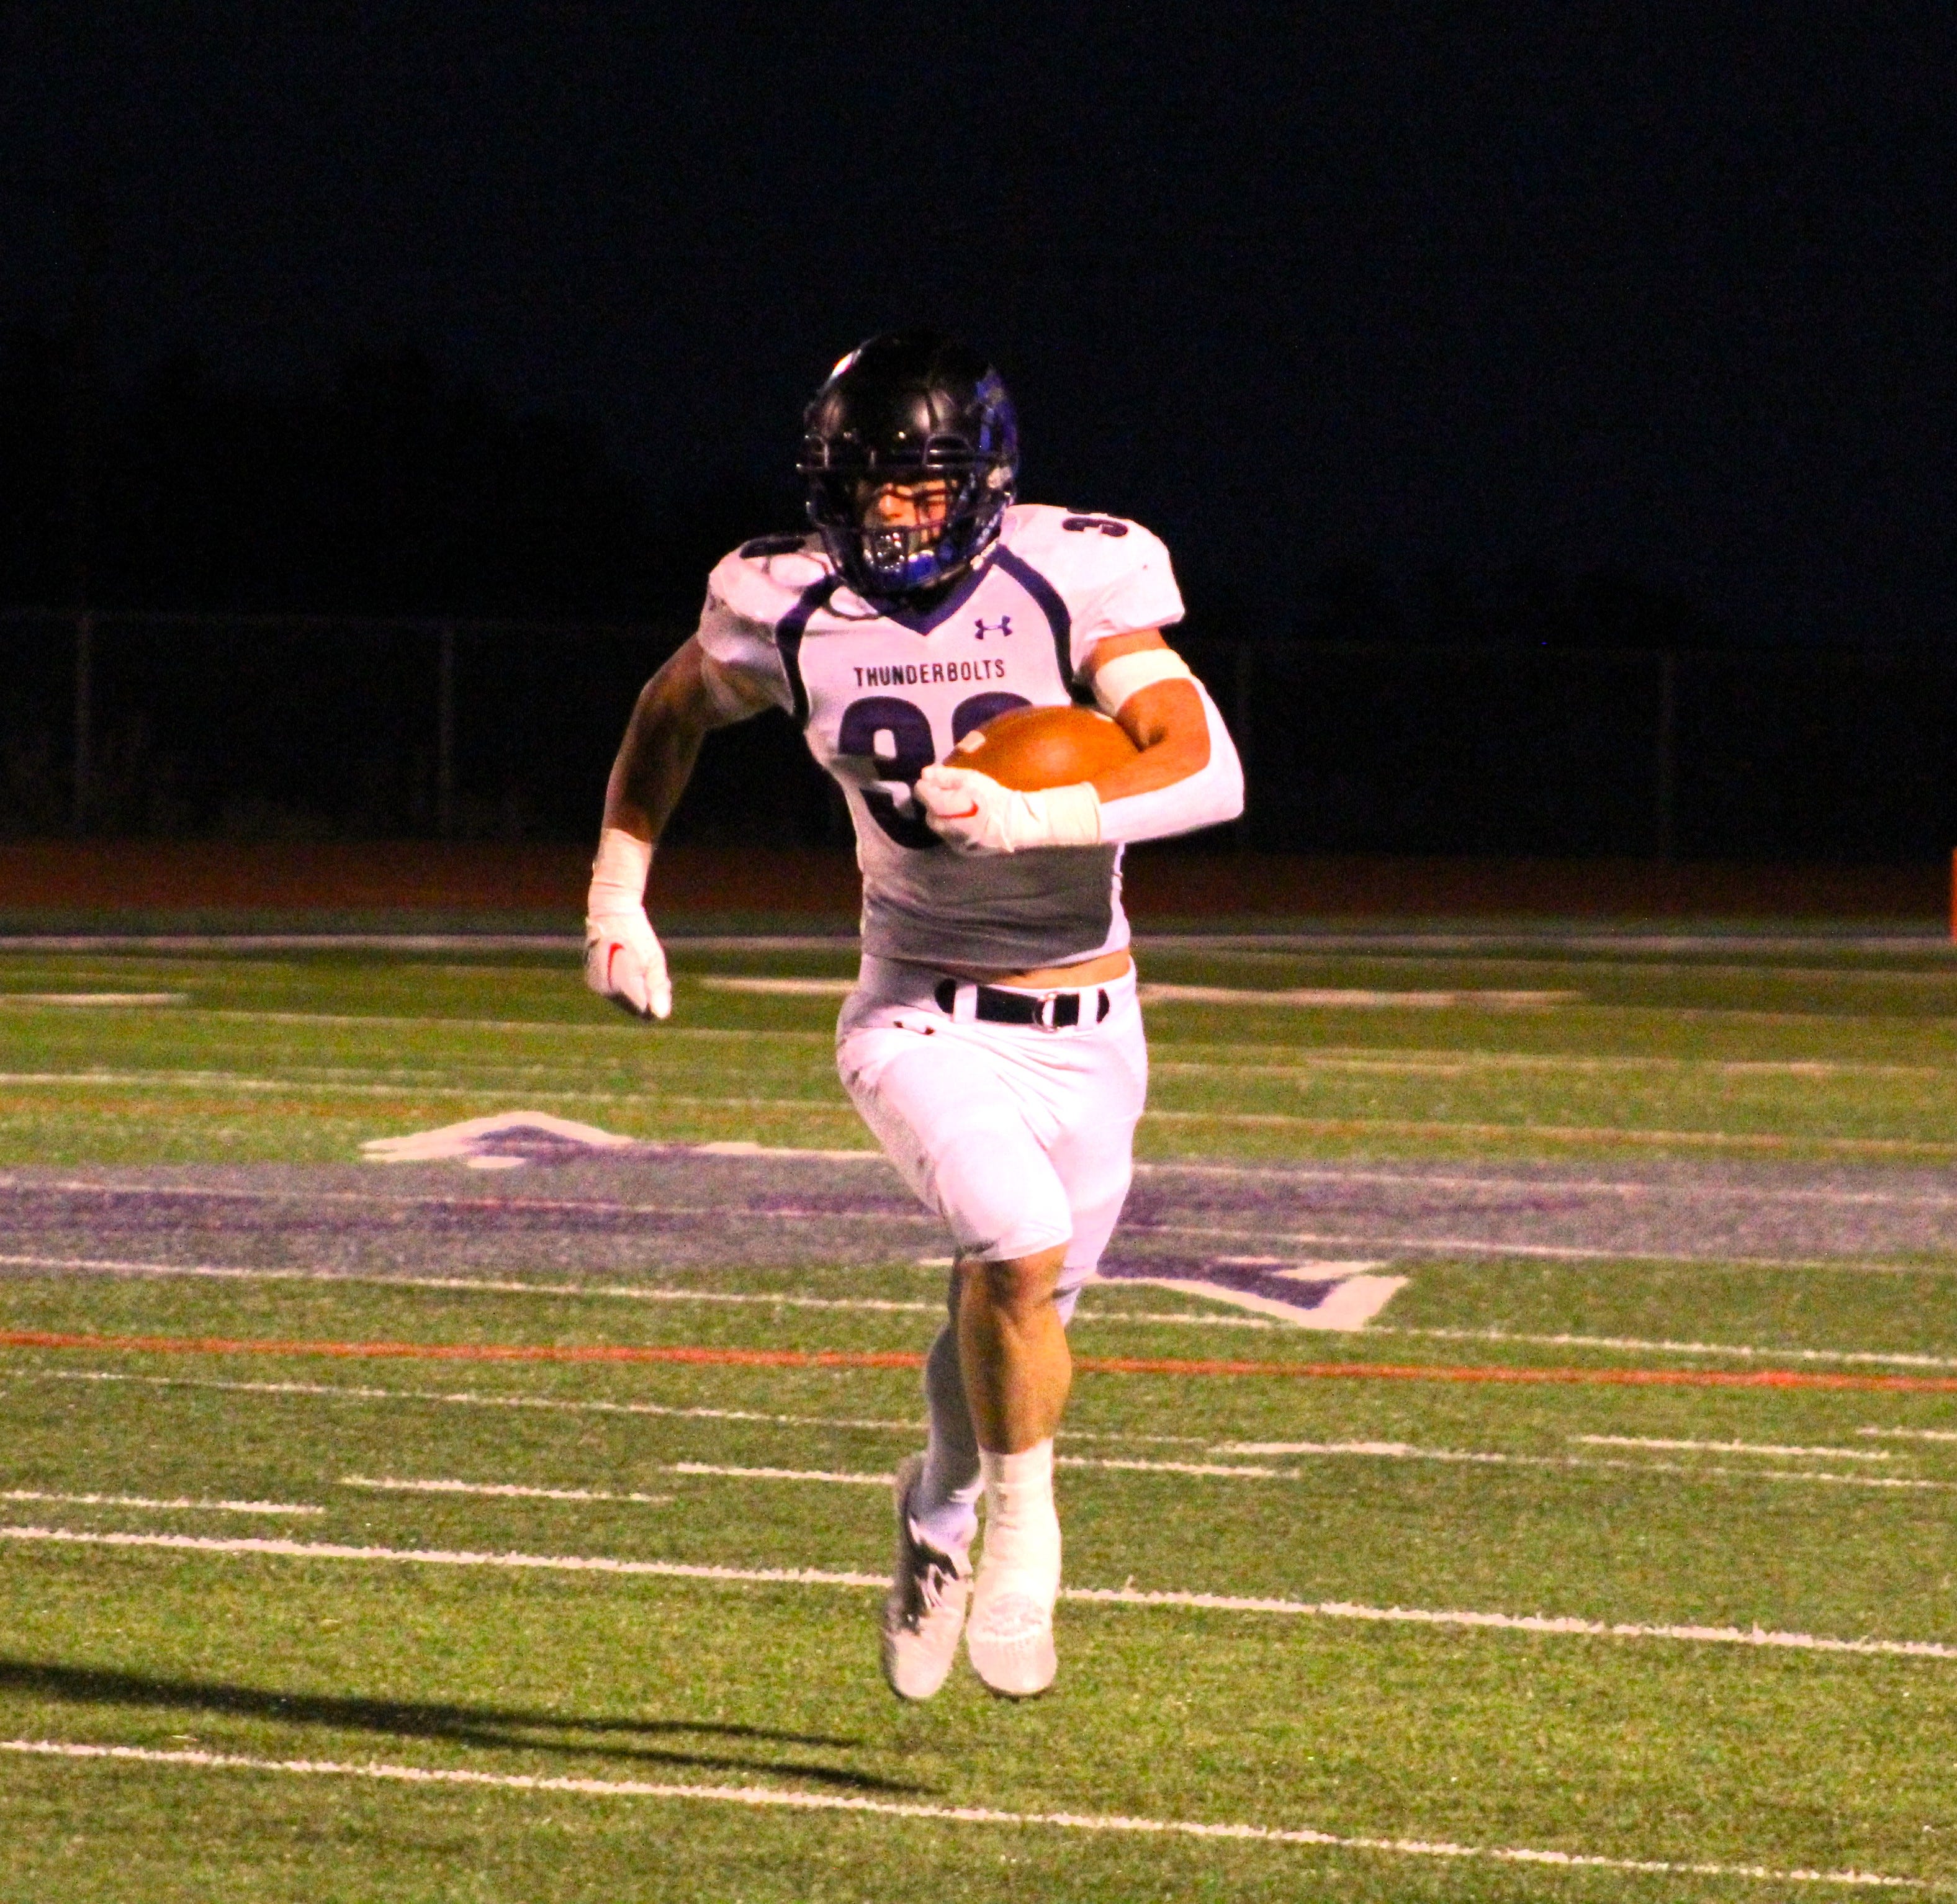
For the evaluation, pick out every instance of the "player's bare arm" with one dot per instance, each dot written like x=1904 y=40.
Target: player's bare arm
x=1165 y=719
x=685 y=702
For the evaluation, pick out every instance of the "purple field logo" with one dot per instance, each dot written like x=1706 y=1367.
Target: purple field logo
x=1343 y=1296
x=1340 y=1296
x=500 y=1142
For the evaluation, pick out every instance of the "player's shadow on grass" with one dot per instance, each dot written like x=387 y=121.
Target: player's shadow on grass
x=510 y=1727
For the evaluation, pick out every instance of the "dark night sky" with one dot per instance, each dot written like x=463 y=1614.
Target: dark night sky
x=1670 y=291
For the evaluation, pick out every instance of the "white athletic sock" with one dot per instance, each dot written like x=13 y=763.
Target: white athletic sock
x=1022 y=1525
x=944 y=1504
x=944 y=1507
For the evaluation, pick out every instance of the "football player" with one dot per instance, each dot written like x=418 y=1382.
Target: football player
x=993 y=1044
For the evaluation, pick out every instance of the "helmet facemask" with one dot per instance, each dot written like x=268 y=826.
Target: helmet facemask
x=901 y=412
x=886 y=558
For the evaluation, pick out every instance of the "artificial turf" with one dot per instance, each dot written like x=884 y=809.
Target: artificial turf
x=1823 y=1514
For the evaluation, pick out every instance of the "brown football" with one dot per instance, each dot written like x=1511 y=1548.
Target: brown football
x=1028 y=748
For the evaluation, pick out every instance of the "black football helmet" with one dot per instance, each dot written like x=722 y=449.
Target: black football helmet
x=913 y=406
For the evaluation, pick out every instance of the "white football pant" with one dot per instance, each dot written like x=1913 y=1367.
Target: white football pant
x=1018 y=1137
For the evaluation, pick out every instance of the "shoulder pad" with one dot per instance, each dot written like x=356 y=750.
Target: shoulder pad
x=762 y=580
x=1085 y=549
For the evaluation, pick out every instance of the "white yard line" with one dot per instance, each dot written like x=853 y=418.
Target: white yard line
x=1838 y=1480
x=452 y=1557
x=772 y=1797
x=1761 y=1141
x=1824 y=974
x=1535 y=938
x=261 y=942
x=1346 y=998
x=1418 y=1244
x=1449 y=1064
x=202 y=1080
x=172 y=1506
x=395 y=1486
x=1730 y=1447
x=1400 y=1451
x=1127 y=1596
x=228 y=1272
x=409 y=942
x=58 y=999
x=609 y=1028
x=1601 y=1134
x=500 y=1490
x=1753 y=1636
x=1301 y=1238
x=229 y=1080
x=1406 y=1452
x=465 y=1398
x=1087 y=1314
x=1217 y=1469
x=638 y=1293
x=830 y=1475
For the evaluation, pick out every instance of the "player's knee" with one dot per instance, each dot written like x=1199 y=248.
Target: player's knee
x=1017 y=1286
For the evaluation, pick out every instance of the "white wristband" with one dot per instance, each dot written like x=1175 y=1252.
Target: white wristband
x=618 y=874
x=1116 y=680
x=1073 y=814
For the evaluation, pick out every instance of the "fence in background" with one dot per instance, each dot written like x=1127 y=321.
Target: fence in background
x=326 y=727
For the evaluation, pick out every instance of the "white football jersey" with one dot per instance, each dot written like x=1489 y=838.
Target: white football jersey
x=880 y=693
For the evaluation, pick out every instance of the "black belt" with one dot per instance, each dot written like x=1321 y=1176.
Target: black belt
x=1051 y=1011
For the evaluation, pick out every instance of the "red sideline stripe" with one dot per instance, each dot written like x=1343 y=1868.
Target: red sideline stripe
x=905 y=1359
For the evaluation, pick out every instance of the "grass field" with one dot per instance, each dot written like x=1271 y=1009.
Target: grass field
x=413 y=1531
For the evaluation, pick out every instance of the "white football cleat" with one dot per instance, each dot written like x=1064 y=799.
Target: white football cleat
x=924 y=1610
x=1010 y=1640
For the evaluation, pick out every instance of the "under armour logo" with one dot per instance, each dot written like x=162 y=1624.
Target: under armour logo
x=1003 y=626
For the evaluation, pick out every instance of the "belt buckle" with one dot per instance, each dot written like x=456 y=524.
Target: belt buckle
x=1046 y=1013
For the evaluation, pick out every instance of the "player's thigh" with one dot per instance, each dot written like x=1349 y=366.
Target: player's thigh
x=1093 y=1154
x=947 y=1114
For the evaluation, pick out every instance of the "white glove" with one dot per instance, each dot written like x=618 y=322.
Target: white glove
x=623 y=960
x=971 y=811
